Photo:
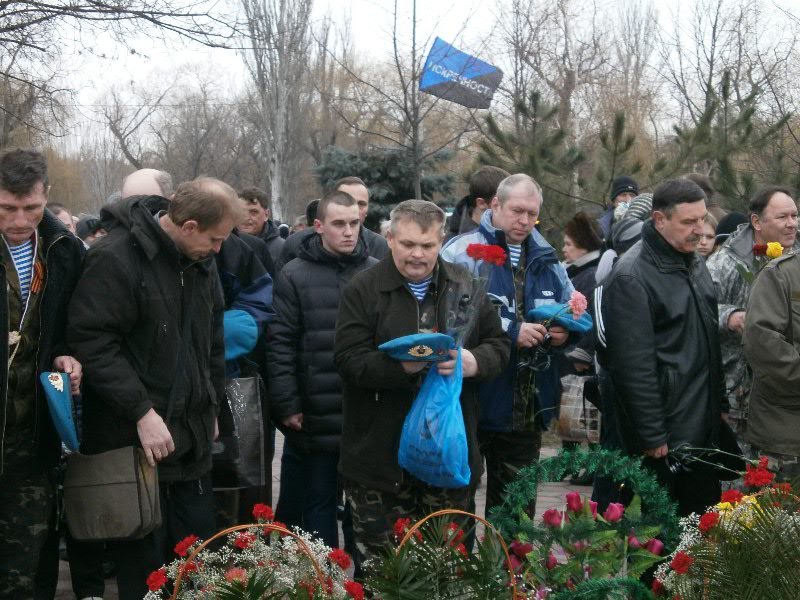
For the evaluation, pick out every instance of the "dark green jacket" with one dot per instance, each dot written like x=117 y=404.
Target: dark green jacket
x=126 y=325
x=772 y=348
x=376 y=307
x=63 y=254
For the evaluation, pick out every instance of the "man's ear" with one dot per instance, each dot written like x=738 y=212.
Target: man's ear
x=494 y=204
x=482 y=203
x=755 y=221
x=658 y=218
x=190 y=226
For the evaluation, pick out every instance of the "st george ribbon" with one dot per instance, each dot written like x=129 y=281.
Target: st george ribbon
x=459 y=77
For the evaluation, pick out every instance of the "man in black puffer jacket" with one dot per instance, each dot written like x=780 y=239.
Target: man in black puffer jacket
x=660 y=313
x=306 y=388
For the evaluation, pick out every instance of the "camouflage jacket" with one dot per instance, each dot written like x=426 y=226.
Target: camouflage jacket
x=733 y=293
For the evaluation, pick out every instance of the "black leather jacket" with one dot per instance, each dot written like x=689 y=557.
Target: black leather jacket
x=660 y=314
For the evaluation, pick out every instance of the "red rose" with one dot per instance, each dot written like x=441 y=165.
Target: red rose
x=731 y=496
x=244 y=539
x=655 y=546
x=263 y=512
x=521 y=549
x=708 y=521
x=574 y=502
x=182 y=547
x=340 y=557
x=759 y=249
x=681 y=562
x=552 y=517
x=355 y=590
x=157 y=579
x=614 y=512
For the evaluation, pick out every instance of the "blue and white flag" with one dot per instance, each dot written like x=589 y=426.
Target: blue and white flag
x=454 y=75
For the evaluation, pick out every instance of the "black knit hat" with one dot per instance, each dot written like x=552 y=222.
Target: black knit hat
x=623 y=183
x=728 y=224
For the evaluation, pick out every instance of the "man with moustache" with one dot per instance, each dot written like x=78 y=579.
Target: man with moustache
x=663 y=353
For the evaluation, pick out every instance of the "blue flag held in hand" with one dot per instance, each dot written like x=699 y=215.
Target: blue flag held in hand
x=433 y=443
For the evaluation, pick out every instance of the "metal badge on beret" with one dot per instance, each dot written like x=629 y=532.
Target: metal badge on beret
x=420 y=351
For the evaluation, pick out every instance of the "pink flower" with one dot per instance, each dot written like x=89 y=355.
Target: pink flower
x=574 y=502
x=552 y=517
x=551 y=562
x=633 y=541
x=655 y=546
x=577 y=304
x=614 y=512
x=236 y=574
x=593 y=506
x=581 y=545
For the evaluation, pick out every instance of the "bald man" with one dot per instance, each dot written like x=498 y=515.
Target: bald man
x=147 y=182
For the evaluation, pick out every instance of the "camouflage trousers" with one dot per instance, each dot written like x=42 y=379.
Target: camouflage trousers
x=506 y=452
x=375 y=512
x=26 y=502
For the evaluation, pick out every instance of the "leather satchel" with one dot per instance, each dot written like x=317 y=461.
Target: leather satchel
x=111 y=496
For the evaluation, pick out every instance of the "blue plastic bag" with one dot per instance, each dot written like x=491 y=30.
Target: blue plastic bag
x=433 y=444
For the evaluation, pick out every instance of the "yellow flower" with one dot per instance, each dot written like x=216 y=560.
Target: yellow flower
x=723 y=506
x=774 y=250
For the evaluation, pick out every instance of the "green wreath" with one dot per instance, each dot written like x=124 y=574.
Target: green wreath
x=511 y=518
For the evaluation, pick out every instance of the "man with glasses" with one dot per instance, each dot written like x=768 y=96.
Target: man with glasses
x=773 y=218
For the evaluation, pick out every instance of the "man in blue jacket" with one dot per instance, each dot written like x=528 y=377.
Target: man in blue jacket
x=517 y=405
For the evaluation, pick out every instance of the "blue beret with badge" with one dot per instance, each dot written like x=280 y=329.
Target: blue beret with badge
x=559 y=315
x=59 y=401
x=431 y=347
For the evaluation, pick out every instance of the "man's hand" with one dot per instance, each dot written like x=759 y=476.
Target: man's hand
x=659 y=452
x=469 y=366
x=736 y=321
x=70 y=366
x=293 y=421
x=530 y=335
x=558 y=335
x=155 y=437
x=414 y=366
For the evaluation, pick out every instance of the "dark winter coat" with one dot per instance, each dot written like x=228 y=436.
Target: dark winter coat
x=274 y=241
x=303 y=375
x=126 y=326
x=659 y=309
x=377 y=307
x=63 y=255
x=376 y=245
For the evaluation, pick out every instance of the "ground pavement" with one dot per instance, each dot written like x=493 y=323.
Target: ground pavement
x=551 y=495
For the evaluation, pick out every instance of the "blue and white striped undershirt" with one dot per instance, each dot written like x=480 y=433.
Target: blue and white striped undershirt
x=23 y=262
x=514 y=252
x=420 y=288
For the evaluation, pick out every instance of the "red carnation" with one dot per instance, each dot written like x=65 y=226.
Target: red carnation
x=521 y=549
x=269 y=530
x=708 y=521
x=236 y=574
x=401 y=526
x=182 y=547
x=681 y=563
x=759 y=249
x=758 y=476
x=340 y=557
x=461 y=549
x=263 y=512
x=243 y=540
x=157 y=579
x=731 y=496
x=657 y=588
x=354 y=589
x=488 y=252
x=189 y=567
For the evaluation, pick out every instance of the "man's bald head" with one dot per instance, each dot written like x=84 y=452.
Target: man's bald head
x=147 y=182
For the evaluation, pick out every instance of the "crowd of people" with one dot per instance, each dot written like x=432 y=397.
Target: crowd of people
x=693 y=346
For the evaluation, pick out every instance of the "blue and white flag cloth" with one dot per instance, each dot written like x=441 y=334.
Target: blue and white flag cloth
x=459 y=77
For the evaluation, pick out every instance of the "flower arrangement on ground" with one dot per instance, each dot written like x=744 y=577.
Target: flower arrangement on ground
x=745 y=547
x=263 y=560
x=577 y=545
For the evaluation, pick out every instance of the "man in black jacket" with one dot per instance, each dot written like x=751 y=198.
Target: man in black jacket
x=660 y=313
x=40 y=263
x=146 y=318
x=258 y=221
x=376 y=245
x=305 y=386
x=409 y=291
